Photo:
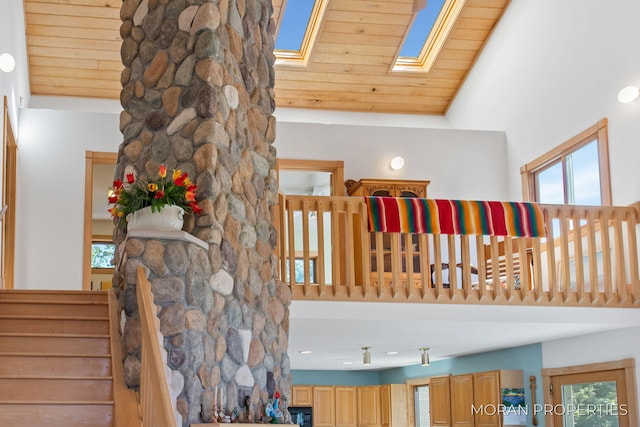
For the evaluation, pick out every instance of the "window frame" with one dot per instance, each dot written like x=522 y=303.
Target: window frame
x=101 y=239
x=597 y=132
x=628 y=365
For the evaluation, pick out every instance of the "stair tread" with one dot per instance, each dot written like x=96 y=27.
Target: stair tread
x=55 y=302
x=56 y=402
x=35 y=317
x=80 y=356
x=52 y=291
x=49 y=335
x=54 y=377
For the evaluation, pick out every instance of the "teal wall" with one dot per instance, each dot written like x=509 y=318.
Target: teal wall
x=527 y=358
x=336 y=377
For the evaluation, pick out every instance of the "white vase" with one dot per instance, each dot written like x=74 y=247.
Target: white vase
x=169 y=218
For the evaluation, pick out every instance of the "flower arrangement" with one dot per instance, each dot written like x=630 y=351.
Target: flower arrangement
x=135 y=194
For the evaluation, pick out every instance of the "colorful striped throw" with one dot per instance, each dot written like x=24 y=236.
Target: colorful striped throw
x=436 y=216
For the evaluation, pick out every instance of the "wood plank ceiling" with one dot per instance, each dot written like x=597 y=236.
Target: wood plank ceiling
x=73 y=48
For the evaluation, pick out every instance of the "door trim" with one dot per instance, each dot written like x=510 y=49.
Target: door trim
x=630 y=379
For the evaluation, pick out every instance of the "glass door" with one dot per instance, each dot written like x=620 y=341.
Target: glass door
x=591 y=399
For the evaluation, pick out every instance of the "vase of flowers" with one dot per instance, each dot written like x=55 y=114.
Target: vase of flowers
x=156 y=203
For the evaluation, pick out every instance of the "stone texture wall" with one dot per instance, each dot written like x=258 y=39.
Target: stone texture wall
x=198 y=96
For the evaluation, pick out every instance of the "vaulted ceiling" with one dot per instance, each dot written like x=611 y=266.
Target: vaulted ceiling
x=351 y=62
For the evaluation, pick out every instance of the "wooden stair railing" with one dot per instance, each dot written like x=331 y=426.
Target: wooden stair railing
x=588 y=258
x=155 y=400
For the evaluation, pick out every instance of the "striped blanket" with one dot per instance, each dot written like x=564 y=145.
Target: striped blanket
x=436 y=216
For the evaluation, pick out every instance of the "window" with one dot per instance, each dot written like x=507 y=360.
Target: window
x=574 y=173
x=421 y=403
x=297 y=31
x=600 y=394
x=299 y=269
x=102 y=254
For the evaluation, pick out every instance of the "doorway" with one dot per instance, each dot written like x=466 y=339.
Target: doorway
x=99 y=167
x=596 y=395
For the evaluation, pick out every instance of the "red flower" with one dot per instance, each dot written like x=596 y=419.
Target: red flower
x=192 y=187
x=113 y=198
x=130 y=178
x=195 y=208
x=117 y=184
x=160 y=194
x=181 y=179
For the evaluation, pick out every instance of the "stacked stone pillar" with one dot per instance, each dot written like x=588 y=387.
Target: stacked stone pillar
x=198 y=96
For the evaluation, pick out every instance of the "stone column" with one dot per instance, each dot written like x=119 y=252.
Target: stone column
x=198 y=96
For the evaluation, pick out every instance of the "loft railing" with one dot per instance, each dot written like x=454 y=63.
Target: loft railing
x=155 y=400
x=588 y=258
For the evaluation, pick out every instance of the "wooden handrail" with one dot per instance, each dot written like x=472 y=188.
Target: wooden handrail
x=155 y=399
x=588 y=258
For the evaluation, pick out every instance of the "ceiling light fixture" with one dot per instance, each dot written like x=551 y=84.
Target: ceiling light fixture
x=305 y=351
x=366 y=356
x=347 y=363
x=397 y=163
x=425 y=356
x=628 y=94
x=391 y=352
x=7 y=63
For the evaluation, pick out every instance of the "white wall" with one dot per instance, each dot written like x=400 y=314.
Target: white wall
x=594 y=348
x=14 y=85
x=459 y=164
x=50 y=191
x=552 y=69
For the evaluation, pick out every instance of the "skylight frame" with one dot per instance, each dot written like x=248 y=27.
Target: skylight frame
x=435 y=40
x=301 y=57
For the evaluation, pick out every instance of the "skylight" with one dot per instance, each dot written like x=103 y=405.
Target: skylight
x=294 y=24
x=298 y=29
x=420 y=29
x=429 y=31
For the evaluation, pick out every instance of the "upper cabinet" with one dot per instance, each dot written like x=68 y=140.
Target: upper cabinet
x=301 y=395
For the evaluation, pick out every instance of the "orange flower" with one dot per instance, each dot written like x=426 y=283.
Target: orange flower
x=180 y=181
x=163 y=171
x=190 y=196
x=176 y=174
x=152 y=187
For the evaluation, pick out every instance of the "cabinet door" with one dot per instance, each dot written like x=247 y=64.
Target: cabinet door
x=323 y=407
x=440 y=402
x=462 y=400
x=346 y=407
x=486 y=394
x=385 y=405
x=301 y=395
x=369 y=406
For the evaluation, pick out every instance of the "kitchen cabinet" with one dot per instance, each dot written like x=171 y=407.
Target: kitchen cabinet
x=324 y=414
x=346 y=406
x=301 y=395
x=369 y=406
x=462 y=400
x=452 y=398
x=393 y=405
x=440 y=401
x=387 y=188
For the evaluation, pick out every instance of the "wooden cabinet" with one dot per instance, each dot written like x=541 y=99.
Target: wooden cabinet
x=301 y=395
x=388 y=188
x=440 y=401
x=393 y=405
x=462 y=400
x=324 y=414
x=368 y=406
x=346 y=407
x=452 y=398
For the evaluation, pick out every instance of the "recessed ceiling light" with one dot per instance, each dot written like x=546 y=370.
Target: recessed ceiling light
x=392 y=352
x=305 y=351
x=347 y=363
